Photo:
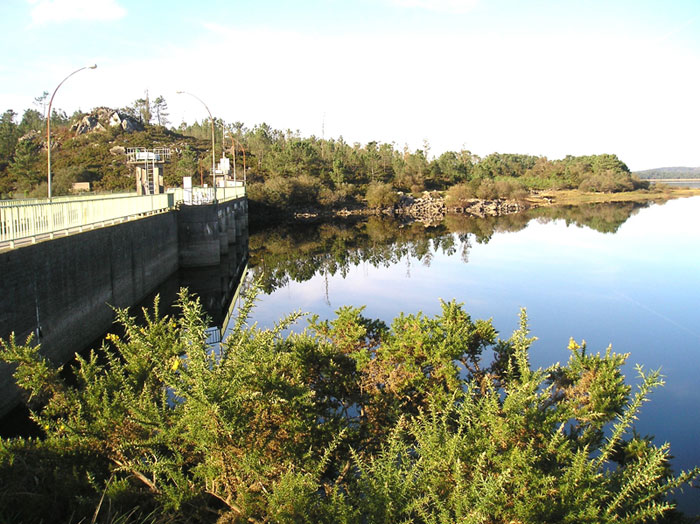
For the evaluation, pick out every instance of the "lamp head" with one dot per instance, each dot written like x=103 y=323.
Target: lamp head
x=93 y=66
x=180 y=92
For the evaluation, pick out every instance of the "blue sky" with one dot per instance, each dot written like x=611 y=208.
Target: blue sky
x=540 y=77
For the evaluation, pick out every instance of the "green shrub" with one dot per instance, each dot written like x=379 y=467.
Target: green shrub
x=304 y=190
x=459 y=194
x=487 y=190
x=608 y=182
x=337 y=197
x=380 y=195
x=510 y=189
x=350 y=421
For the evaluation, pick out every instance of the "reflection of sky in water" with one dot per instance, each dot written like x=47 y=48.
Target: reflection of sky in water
x=638 y=289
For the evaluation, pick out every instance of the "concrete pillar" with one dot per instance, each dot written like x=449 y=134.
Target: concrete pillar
x=231 y=224
x=198 y=236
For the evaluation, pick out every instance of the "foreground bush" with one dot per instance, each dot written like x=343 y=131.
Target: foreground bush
x=426 y=420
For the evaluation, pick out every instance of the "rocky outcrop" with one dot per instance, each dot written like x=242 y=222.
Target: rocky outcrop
x=483 y=208
x=431 y=208
x=88 y=124
x=102 y=118
x=428 y=208
x=35 y=137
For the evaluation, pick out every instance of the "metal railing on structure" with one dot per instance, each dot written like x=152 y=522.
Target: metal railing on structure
x=206 y=195
x=68 y=198
x=141 y=154
x=31 y=221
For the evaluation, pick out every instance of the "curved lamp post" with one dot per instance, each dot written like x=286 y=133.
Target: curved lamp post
x=48 y=126
x=211 y=119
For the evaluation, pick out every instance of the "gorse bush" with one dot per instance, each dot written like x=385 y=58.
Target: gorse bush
x=428 y=420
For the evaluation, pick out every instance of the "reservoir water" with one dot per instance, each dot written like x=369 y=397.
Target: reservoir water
x=626 y=275
x=680 y=183
x=621 y=274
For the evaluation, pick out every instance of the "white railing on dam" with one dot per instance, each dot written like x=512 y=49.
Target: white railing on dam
x=206 y=195
x=30 y=221
x=69 y=198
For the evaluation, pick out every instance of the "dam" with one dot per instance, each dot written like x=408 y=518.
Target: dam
x=62 y=287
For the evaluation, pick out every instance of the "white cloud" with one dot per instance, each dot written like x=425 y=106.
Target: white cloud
x=449 y=6
x=53 y=11
x=552 y=96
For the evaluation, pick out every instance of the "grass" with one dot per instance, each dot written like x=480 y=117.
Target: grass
x=575 y=196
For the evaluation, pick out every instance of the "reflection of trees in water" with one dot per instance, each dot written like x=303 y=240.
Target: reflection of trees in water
x=298 y=252
x=483 y=228
x=601 y=217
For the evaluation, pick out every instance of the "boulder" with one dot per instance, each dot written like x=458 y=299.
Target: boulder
x=31 y=136
x=103 y=117
x=87 y=124
x=36 y=139
x=429 y=208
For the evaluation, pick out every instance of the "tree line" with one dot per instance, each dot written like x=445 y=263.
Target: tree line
x=283 y=168
x=669 y=172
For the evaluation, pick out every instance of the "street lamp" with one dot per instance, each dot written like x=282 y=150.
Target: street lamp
x=48 y=126
x=211 y=119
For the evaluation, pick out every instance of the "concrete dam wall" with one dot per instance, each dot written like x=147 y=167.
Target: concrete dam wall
x=63 y=291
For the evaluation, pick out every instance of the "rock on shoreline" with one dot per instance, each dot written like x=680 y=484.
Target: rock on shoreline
x=428 y=208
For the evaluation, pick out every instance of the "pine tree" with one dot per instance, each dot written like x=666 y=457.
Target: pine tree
x=161 y=108
x=143 y=109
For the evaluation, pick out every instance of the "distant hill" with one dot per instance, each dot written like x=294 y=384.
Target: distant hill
x=669 y=172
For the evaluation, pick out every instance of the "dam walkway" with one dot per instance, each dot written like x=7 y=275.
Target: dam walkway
x=28 y=221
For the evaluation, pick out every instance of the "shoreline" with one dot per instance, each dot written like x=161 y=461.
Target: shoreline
x=431 y=207
x=574 y=196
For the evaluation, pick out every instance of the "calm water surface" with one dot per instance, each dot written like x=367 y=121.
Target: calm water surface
x=685 y=183
x=630 y=282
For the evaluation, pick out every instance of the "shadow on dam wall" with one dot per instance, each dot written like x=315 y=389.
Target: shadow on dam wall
x=63 y=291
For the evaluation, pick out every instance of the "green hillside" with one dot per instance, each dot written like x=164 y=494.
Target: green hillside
x=669 y=172
x=87 y=148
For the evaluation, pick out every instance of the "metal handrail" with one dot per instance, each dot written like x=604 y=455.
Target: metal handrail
x=32 y=221
x=67 y=198
x=207 y=195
